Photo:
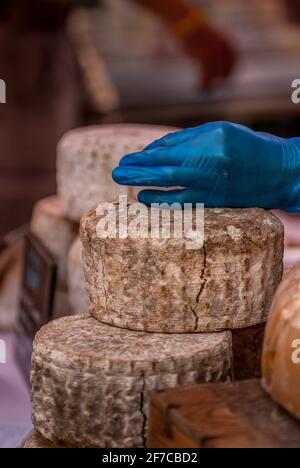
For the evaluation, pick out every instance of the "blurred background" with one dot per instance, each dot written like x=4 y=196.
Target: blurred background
x=68 y=63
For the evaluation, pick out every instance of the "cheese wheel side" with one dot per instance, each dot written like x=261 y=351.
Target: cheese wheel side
x=159 y=285
x=76 y=282
x=86 y=158
x=90 y=381
x=50 y=225
x=281 y=354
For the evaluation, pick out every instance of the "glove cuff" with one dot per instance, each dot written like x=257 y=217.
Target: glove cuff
x=294 y=157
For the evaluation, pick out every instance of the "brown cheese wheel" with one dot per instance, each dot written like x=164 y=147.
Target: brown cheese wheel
x=159 y=285
x=281 y=354
x=76 y=283
x=87 y=157
x=50 y=225
x=90 y=381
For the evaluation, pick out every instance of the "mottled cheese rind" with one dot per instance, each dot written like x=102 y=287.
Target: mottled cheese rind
x=281 y=353
x=86 y=158
x=158 y=285
x=90 y=381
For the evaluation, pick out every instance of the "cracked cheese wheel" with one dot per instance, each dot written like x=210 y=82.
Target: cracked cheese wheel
x=50 y=225
x=76 y=282
x=281 y=353
x=159 y=285
x=90 y=381
x=86 y=158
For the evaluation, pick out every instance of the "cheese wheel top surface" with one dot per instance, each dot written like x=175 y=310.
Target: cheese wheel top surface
x=253 y=225
x=51 y=206
x=85 y=338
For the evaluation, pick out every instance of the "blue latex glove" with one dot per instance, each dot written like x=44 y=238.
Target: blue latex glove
x=220 y=164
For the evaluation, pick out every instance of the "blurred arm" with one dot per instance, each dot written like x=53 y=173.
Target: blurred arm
x=204 y=42
x=293 y=9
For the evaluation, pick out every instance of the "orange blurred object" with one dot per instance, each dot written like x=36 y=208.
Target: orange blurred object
x=202 y=40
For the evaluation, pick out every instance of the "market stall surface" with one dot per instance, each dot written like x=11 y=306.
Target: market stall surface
x=15 y=406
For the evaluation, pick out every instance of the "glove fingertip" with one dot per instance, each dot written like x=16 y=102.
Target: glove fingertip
x=129 y=159
x=116 y=175
x=147 y=197
x=119 y=176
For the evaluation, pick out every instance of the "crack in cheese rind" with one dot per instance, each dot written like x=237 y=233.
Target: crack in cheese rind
x=90 y=381
x=158 y=285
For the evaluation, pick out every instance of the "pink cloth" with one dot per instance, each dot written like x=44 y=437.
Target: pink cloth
x=292 y=238
x=292 y=227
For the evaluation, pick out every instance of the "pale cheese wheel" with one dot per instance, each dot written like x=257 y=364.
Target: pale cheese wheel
x=50 y=225
x=76 y=282
x=90 y=381
x=87 y=157
x=281 y=353
x=10 y=288
x=160 y=285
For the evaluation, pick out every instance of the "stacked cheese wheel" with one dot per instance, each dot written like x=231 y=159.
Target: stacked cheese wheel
x=281 y=355
x=90 y=381
x=166 y=285
x=86 y=158
x=205 y=305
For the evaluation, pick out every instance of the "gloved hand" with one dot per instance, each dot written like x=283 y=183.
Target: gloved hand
x=220 y=164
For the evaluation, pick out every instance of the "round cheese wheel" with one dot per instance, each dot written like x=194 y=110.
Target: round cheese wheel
x=90 y=381
x=87 y=157
x=50 y=225
x=159 y=285
x=76 y=281
x=281 y=353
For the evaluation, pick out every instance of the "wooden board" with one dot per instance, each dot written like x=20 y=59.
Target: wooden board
x=225 y=415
